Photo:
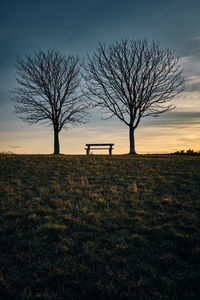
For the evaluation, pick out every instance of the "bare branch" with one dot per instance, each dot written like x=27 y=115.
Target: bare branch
x=49 y=90
x=133 y=79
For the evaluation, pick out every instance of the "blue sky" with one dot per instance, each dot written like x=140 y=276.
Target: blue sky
x=76 y=27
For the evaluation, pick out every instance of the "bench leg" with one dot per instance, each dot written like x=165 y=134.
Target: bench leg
x=88 y=151
x=110 y=151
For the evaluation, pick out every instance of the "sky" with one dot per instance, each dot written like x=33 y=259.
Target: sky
x=76 y=27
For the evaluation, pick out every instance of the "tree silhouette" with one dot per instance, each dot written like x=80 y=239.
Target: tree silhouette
x=133 y=79
x=48 y=91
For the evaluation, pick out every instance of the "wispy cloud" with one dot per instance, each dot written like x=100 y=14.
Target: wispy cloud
x=174 y=118
x=191 y=73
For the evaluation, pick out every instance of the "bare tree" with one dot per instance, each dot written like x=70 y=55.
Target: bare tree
x=132 y=80
x=48 y=91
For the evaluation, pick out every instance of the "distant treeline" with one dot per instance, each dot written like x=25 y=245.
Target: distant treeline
x=187 y=152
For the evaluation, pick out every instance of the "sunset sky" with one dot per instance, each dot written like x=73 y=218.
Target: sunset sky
x=76 y=27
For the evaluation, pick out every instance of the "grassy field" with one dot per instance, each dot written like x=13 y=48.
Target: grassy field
x=99 y=227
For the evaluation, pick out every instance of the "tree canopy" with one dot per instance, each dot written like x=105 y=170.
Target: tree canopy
x=132 y=79
x=49 y=91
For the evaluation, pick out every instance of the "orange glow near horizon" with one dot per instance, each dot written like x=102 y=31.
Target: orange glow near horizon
x=148 y=140
x=175 y=131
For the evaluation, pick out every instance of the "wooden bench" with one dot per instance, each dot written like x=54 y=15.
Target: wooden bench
x=94 y=147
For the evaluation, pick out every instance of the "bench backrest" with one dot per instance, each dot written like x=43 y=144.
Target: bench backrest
x=99 y=144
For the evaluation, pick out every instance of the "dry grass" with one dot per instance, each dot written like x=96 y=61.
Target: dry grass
x=120 y=227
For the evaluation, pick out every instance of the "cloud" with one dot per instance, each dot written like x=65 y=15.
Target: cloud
x=15 y=147
x=193 y=84
x=188 y=45
x=189 y=139
x=191 y=73
x=193 y=46
x=175 y=118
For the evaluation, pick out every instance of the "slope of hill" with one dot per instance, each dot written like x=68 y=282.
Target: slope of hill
x=99 y=227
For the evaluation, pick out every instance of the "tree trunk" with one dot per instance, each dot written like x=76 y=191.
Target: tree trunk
x=132 y=140
x=56 y=141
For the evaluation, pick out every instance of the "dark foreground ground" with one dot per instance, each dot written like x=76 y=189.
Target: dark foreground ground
x=99 y=227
